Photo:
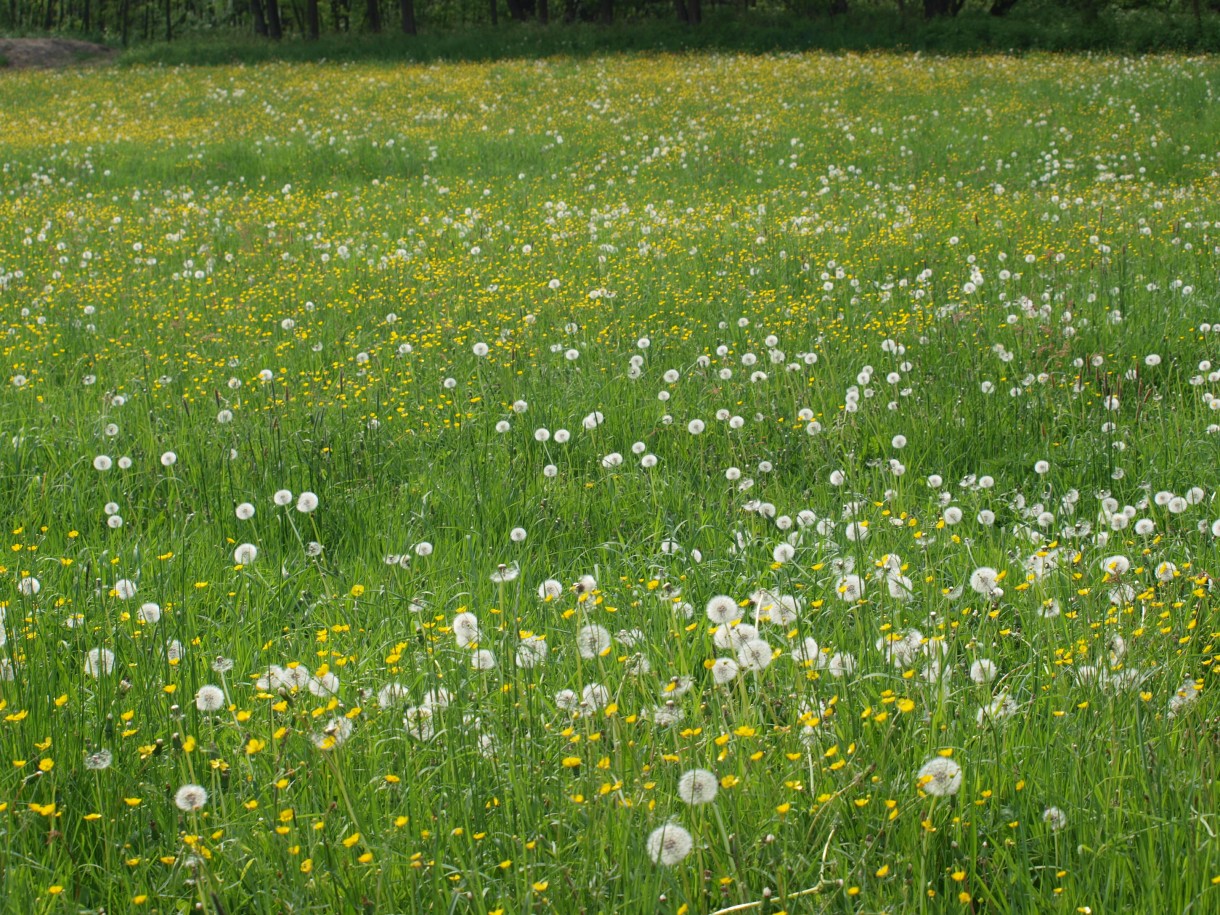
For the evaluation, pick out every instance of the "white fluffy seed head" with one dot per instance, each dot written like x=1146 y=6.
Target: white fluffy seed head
x=209 y=698
x=669 y=844
x=697 y=786
x=722 y=609
x=190 y=798
x=939 y=777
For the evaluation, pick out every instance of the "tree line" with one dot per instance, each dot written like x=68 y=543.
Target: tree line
x=125 y=21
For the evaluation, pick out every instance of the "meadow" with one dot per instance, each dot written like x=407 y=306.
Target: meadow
x=646 y=483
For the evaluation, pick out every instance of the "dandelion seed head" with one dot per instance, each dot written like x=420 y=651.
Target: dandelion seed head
x=190 y=798
x=669 y=844
x=940 y=776
x=209 y=698
x=697 y=786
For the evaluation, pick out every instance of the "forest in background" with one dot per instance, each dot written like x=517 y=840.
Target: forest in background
x=189 y=31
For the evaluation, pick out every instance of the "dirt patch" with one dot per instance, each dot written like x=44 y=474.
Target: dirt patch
x=20 y=53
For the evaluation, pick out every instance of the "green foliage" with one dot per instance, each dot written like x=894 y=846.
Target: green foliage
x=1132 y=32
x=462 y=30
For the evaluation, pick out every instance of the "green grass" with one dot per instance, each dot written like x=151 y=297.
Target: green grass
x=235 y=280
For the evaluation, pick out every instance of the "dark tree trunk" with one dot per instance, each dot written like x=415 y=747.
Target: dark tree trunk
x=516 y=9
x=84 y=17
x=695 y=8
x=606 y=12
x=933 y=9
x=169 y=20
x=49 y=19
x=838 y=7
x=1001 y=7
x=313 y=24
x=544 y=12
x=275 y=28
x=260 y=20
x=407 y=8
x=297 y=17
x=681 y=10
x=495 y=12
x=569 y=11
x=372 y=15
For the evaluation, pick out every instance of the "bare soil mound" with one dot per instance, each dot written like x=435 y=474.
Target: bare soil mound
x=20 y=53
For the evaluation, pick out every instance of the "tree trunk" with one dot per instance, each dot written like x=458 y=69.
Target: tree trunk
x=695 y=8
x=1001 y=7
x=84 y=17
x=838 y=7
x=313 y=24
x=372 y=15
x=275 y=28
x=495 y=12
x=260 y=20
x=681 y=10
x=544 y=12
x=169 y=21
x=298 y=16
x=606 y=12
x=933 y=9
x=407 y=8
x=517 y=10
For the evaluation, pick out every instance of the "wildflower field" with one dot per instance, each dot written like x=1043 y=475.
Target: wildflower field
x=638 y=484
